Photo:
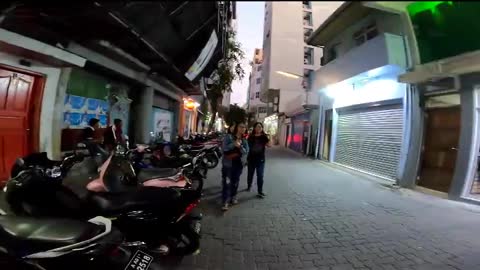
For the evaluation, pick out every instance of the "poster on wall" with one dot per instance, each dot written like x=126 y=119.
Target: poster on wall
x=162 y=124
x=79 y=110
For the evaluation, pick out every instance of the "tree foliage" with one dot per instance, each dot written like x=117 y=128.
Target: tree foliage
x=229 y=69
x=235 y=114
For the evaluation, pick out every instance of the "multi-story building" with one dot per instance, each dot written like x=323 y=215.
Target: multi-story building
x=410 y=113
x=254 y=104
x=364 y=120
x=288 y=66
x=444 y=76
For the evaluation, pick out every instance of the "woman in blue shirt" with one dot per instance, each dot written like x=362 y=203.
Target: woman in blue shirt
x=235 y=149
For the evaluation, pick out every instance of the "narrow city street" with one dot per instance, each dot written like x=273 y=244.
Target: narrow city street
x=318 y=217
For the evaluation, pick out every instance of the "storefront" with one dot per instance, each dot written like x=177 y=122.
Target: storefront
x=271 y=127
x=363 y=123
x=190 y=117
x=299 y=137
x=164 y=117
x=90 y=96
x=445 y=140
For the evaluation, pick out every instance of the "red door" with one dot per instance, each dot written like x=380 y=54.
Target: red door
x=15 y=118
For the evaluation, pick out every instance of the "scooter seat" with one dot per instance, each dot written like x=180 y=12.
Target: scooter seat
x=25 y=235
x=156 y=173
x=140 y=199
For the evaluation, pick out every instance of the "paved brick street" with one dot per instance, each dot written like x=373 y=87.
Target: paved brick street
x=317 y=217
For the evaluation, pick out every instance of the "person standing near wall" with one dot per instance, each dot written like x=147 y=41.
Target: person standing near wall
x=235 y=149
x=113 y=135
x=257 y=141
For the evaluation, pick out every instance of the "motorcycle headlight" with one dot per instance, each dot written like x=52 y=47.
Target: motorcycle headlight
x=120 y=150
x=194 y=161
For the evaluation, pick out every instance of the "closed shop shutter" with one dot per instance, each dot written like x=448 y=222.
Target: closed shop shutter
x=370 y=139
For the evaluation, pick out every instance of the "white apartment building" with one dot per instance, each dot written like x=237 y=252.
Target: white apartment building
x=289 y=64
x=254 y=104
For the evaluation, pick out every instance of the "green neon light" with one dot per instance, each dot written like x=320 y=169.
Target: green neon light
x=420 y=6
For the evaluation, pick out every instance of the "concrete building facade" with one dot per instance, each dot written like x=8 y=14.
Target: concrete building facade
x=289 y=63
x=254 y=104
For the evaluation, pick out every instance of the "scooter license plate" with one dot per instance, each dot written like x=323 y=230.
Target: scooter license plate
x=139 y=261
x=197 y=227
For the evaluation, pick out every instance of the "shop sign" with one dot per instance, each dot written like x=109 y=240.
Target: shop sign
x=203 y=58
x=189 y=104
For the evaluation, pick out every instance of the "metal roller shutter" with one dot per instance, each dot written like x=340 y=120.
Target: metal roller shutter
x=370 y=139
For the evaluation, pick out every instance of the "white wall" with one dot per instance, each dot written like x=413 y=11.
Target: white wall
x=284 y=48
x=345 y=94
x=253 y=101
x=386 y=23
x=49 y=140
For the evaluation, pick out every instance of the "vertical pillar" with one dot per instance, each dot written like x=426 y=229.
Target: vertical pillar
x=57 y=124
x=143 y=111
x=414 y=123
x=467 y=143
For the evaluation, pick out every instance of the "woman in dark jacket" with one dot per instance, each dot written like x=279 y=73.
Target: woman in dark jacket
x=257 y=141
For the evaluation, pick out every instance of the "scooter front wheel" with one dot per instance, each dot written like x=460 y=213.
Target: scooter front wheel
x=212 y=160
x=184 y=242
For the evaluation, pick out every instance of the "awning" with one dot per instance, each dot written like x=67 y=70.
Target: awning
x=166 y=36
x=448 y=67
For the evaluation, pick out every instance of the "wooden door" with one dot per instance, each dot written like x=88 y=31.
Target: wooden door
x=15 y=118
x=442 y=133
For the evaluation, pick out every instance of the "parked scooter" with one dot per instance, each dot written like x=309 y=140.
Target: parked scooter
x=160 y=218
x=58 y=244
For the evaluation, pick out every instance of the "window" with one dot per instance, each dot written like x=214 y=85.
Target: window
x=262 y=110
x=307 y=78
x=307 y=18
x=257 y=51
x=306 y=4
x=333 y=52
x=257 y=94
x=259 y=68
x=308 y=56
x=268 y=34
x=365 y=34
x=259 y=80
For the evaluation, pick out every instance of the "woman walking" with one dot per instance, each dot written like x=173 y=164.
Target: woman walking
x=235 y=150
x=257 y=141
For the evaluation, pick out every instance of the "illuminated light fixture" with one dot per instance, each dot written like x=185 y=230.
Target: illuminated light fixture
x=190 y=104
x=290 y=75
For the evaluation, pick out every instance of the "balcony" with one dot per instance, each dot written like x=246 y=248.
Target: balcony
x=384 y=50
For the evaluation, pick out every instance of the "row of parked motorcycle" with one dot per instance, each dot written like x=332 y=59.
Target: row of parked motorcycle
x=137 y=203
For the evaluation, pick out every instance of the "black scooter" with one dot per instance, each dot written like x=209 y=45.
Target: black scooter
x=159 y=218
x=58 y=244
